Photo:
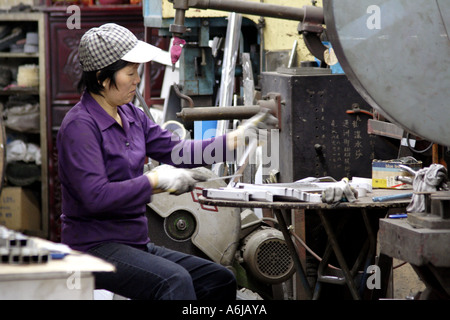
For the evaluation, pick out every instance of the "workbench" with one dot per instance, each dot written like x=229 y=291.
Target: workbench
x=68 y=278
x=363 y=205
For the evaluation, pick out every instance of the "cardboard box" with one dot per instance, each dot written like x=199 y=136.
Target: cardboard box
x=19 y=209
x=385 y=171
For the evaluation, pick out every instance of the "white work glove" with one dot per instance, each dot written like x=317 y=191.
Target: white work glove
x=176 y=181
x=338 y=192
x=249 y=129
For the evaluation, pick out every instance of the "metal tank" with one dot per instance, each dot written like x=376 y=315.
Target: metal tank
x=396 y=53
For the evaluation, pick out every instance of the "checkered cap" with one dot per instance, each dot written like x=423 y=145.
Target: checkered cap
x=102 y=46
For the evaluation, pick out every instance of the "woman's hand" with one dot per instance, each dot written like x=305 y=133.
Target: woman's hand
x=176 y=181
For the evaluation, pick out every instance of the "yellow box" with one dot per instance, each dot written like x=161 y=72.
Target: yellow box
x=19 y=209
x=385 y=171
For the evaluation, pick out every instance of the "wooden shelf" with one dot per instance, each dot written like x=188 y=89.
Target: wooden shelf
x=8 y=92
x=33 y=21
x=18 y=55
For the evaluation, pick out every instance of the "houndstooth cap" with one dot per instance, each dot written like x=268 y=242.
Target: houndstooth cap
x=102 y=46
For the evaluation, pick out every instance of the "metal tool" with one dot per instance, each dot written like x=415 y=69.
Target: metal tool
x=17 y=248
x=392 y=197
x=243 y=162
x=265 y=192
x=156 y=191
x=224 y=177
x=144 y=105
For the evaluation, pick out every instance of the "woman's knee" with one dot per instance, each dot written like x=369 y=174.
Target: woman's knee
x=179 y=286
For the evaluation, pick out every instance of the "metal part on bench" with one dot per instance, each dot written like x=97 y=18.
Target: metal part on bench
x=16 y=248
x=266 y=192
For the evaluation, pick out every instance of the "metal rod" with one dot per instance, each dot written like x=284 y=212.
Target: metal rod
x=372 y=248
x=251 y=8
x=290 y=244
x=293 y=54
x=243 y=162
x=217 y=113
x=393 y=197
x=224 y=177
x=144 y=105
x=339 y=256
x=183 y=96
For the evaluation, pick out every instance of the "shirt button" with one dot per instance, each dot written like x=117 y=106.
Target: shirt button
x=127 y=144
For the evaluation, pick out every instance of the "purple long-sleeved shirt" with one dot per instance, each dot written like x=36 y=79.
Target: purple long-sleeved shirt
x=100 y=163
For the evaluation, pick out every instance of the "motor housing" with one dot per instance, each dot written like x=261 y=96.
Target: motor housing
x=267 y=256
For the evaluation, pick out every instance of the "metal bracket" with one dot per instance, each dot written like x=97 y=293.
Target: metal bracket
x=264 y=192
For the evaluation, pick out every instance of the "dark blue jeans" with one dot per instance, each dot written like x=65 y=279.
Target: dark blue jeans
x=160 y=273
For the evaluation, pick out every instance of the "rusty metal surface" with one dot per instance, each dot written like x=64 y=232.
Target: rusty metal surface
x=418 y=246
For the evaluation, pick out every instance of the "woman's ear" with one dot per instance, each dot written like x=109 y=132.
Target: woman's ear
x=97 y=74
x=106 y=82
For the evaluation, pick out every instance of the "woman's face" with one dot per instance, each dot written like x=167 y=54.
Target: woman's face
x=127 y=80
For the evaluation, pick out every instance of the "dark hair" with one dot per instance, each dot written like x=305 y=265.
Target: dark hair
x=92 y=81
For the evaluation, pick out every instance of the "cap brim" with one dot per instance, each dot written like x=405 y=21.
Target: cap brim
x=142 y=52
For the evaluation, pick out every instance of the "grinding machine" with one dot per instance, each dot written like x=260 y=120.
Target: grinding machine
x=395 y=55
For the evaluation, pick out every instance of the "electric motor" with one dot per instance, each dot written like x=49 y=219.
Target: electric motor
x=267 y=256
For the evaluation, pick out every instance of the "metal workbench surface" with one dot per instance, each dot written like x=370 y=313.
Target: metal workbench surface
x=362 y=202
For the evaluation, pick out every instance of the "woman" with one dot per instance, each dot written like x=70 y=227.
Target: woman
x=102 y=146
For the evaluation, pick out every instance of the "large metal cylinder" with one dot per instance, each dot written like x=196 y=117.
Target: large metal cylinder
x=396 y=53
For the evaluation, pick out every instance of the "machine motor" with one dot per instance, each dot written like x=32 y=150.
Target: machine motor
x=267 y=256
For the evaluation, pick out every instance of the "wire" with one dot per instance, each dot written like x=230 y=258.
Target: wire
x=315 y=255
x=298 y=239
x=309 y=249
x=399 y=265
x=414 y=150
x=360 y=111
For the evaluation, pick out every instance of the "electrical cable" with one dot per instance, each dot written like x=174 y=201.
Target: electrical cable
x=360 y=111
x=414 y=150
x=315 y=255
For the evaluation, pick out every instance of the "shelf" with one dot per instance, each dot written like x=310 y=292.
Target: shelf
x=31 y=21
x=18 y=55
x=20 y=16
x=32 y=91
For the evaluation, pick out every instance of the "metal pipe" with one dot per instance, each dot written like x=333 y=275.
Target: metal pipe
x=339 y=256
x=217 y=113
x=310 y=13
x=228 y=112
x=183 y=96
x=178 y=28
x=144 y=105
x=251 y=8
x=291 y=247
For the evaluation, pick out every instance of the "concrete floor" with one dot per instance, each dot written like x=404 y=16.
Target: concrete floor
x=406 y=283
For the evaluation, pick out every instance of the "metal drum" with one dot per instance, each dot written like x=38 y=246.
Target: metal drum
x=396 y=53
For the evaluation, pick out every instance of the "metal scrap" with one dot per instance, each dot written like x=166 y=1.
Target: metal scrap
x=267 y=192
x=16 y=248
